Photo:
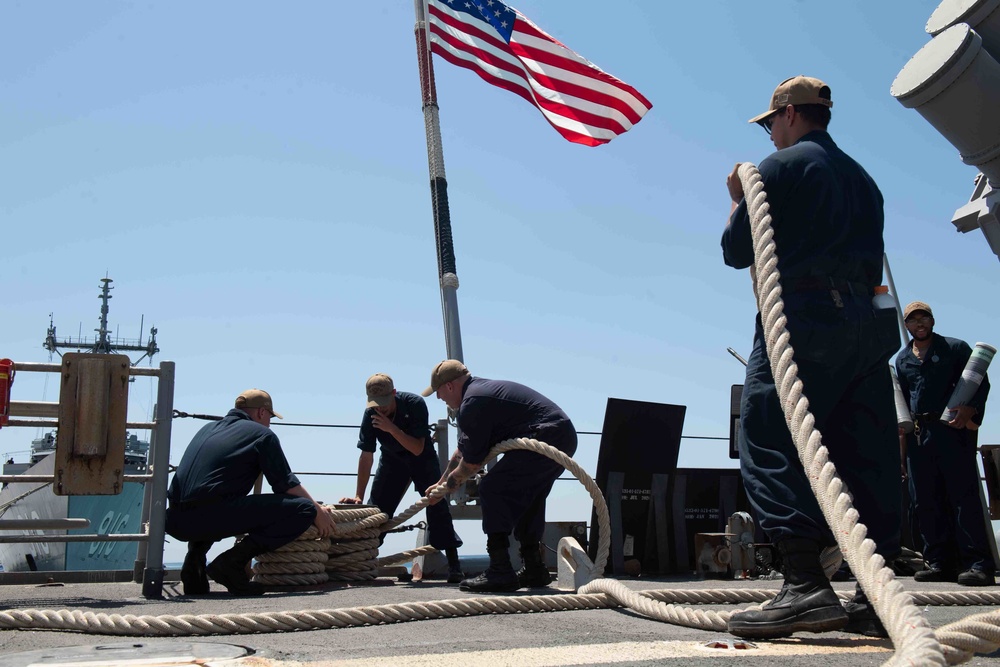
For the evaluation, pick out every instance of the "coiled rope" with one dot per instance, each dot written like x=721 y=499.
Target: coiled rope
x=348 y=555
x=351 y=554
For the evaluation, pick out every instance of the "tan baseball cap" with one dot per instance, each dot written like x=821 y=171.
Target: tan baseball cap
x=380 y=390
x=796 y=90
x=914 y=307
x=445 y=372
x=256 y=398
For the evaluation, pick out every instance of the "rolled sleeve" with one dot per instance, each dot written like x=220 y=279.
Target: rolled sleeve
x=367 y=441
x=737 y=239
x=275 y=466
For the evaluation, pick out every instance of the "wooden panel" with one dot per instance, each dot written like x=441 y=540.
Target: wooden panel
x=93 y=405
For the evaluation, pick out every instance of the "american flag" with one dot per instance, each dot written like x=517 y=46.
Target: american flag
x=583 y=103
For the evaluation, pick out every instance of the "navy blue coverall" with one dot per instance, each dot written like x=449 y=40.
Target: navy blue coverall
x=513 y=492
x=398 y=467
x=208 y=494
x=944 y=477
x=827 y=218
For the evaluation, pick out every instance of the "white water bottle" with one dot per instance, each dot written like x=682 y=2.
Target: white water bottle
x=883 y=299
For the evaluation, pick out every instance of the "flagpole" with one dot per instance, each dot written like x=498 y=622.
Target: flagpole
x=895 y=294
x=447 y=274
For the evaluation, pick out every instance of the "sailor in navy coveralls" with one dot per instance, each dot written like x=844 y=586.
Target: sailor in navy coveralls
x=398 y=421
x=513 y=492
x=209 y=501
x=827 y=218
x=941 y=457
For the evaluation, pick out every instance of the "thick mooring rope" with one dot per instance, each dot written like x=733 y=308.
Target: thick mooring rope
x=322 y=619
x=359 y=523
x=352 y=552
x=350 y=555
x=405 y=556
x=975 y=634
x=909 y=630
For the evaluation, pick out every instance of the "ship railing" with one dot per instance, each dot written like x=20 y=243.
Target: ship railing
x=148 y=568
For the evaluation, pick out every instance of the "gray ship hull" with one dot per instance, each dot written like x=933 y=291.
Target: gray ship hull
x=107 y=514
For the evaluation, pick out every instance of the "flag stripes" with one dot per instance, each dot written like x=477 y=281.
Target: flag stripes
x=583 y=103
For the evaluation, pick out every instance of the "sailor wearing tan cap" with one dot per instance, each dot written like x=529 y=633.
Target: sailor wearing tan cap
x=941 y=456
x=512 y=495
x=827 y=217
x=398 y=421
x=208 y=498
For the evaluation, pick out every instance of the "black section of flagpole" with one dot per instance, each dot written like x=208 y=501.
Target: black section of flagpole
x=442 y=226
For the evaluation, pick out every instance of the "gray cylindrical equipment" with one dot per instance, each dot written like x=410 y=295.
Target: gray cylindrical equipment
x=903 y=418
x=955 y=85
x=972 y=377
x=983 y=16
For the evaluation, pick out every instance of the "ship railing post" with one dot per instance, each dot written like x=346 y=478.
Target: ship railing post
x=441 y=436
x=152 y=582
x=139 y=567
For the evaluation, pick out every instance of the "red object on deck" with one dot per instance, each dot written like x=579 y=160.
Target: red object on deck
x=6 y=380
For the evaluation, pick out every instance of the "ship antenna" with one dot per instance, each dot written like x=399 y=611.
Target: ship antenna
x=103 y=345
x=102 y=342
x=50 y=339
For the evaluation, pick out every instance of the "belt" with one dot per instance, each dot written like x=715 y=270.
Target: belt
x=923 y=419
x=193 y=504
x=820 y=283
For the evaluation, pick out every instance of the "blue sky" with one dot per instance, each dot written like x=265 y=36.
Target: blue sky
x=254 y=179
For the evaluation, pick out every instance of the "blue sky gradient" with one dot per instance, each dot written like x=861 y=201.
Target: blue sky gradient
x=254 y=179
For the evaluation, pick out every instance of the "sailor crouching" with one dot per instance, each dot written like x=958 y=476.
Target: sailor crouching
x=208 y=498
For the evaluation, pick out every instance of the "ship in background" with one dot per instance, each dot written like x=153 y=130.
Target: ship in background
x=107 y=514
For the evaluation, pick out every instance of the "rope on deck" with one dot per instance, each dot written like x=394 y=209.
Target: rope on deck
x=211 y=624
x=405 y=556
x=352 y=551
x=958 y=642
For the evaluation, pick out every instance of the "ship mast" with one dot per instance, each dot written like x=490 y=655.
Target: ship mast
x=102 y=343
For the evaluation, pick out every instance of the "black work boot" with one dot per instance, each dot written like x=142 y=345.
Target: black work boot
x=862 y=619
x=229 y=568
x=805 y=603
x=455 y=574
x=936 y=572
x=193 y=576
x=975 y=576
x=533 y=573
x=499 y=577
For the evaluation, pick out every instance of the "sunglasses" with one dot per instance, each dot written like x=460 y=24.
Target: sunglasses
x=767 y=122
